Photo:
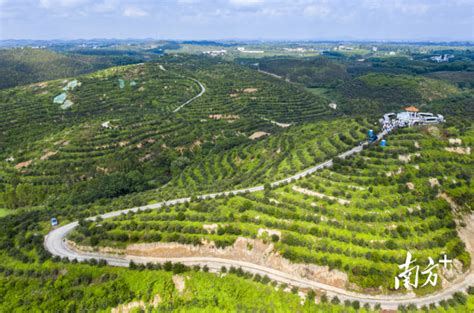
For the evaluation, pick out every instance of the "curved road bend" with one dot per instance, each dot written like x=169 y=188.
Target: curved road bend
x=203 y=90
x=56 y=244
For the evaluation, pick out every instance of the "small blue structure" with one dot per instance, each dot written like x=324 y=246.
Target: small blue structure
x=372 y=136
x=383 y=143
x=54 y=221
x=60 y=98
x=121 y=83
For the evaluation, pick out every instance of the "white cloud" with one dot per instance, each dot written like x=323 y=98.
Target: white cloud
x=246 y=2
x=53 y=4
x=412 y=8
x=105 y=6
x=134 y=12
x=403 y=6
x=317 y=10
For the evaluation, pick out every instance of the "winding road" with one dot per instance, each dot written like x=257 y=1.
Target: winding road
x=203 y=90
x=55 y=242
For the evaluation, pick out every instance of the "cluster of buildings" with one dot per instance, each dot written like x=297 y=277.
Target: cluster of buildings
x=410 y=117
x=441 y=58
x=242 y=49
x=215 y=53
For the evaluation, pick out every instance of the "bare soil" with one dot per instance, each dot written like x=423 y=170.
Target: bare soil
x=244 y=249
x=47 y=155
x=258 y=134
x=319 y=195
x=459 y=150
x=23 y=164
x=228 y=117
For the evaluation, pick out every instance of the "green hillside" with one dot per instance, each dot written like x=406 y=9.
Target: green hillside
x=22 y=66
x=400 y=89
x=360 y=216
x=87 y=138
x=311 y=72
x=119 y=133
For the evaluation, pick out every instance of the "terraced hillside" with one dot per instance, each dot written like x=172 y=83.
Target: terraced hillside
x=366 y=85
x=115 y=131
x=241 y=91
x=348 y=226
x=26 y=65
x=311 y=72
x=397 y=88
x=274 y=157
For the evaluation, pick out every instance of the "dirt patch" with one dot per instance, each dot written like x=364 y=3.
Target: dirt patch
x=196 y=144
x=40 y=85
x=61 y=142
x=132 y=306
x=319 y=195
x=455 y=141
x=210 y=227
x=260 y=253
x=258 y=134
x=107 y=250
x=146 y=157
x=227 y=117
x=433 y=182
x=459 y=150
x=23 y=164
x=129 y=307
x=405 y=158
x=249 y=90
x=47 y=155
x=450 y=201
x=398 y=172
x=179 y=283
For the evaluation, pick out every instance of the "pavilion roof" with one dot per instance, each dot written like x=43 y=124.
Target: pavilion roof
x=412 y=109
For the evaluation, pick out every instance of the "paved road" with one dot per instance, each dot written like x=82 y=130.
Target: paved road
x=56 y=244
x=271 y=74
x=203 y=90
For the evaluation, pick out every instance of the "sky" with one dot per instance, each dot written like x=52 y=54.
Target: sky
x=443 y=20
